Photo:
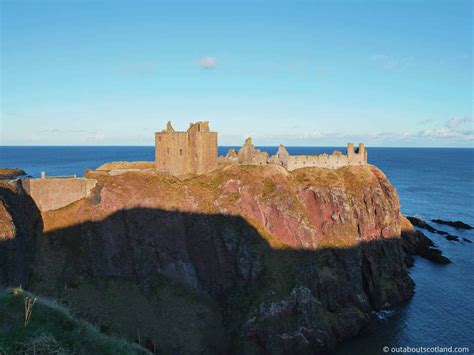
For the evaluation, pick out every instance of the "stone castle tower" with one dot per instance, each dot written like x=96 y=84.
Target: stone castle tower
x=190 y=152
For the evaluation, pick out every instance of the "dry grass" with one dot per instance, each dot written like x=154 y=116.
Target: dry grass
x=123 y=165
x=29 y=303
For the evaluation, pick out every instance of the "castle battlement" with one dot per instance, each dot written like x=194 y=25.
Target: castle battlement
x=248 y=154
x=195 y=152
x=191 y=152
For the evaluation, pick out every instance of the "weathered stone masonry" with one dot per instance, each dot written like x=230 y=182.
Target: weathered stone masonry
x=53 y=193
x=248 y=154
x=190 y=152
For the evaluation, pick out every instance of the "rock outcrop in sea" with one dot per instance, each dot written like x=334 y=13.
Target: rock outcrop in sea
x=246 y=259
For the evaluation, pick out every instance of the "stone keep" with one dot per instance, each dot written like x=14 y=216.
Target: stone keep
x=190 y=152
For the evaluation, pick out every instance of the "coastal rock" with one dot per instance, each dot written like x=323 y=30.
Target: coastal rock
x=7 y=227
x=416 y=243
x=451 y=237
x=418 y=222
x=11 y=173
x=455 y=224
x=422 y=224
x=246 y=258
x=20 y=226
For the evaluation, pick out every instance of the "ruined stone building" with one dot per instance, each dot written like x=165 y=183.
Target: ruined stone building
x=190 y=152
x=248 y=154
x=179 y=153
x=195 y=152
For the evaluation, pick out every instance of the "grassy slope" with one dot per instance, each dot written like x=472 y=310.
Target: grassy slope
x=52 y=329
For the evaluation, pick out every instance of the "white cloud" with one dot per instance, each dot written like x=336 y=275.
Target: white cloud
x=459 y=128
x=458 y=122
x=207 y=62
x=455 y=131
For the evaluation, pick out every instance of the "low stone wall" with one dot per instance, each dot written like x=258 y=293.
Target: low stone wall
x=54 y=193
x=332 y=161
x=248 y=154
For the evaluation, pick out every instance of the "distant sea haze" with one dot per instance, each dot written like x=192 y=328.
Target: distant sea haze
x=431 y=182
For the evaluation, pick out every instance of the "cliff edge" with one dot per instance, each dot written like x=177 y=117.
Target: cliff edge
x=250 y=259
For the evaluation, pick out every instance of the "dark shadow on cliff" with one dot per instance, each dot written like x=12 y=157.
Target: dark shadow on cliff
x=192 y=283
x=22 y=224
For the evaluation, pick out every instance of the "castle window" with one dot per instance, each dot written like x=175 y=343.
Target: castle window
x=199 y=128
x=159 y=139
x=167 y=150
x=180 y=152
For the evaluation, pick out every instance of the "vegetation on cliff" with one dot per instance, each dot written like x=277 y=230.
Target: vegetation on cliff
x=51 y=329
x=20 y=227
x=126 y=165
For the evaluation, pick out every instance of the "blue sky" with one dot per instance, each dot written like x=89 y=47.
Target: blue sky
x=299 y=73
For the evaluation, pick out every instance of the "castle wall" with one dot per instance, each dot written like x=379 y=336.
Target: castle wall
x=54 y=193
x=195 y=152
x=332 y=161
x=231 y=157
x=248 y=154
x=190 y=152
x=203 y=148
x=171 y=152
x=281 y=157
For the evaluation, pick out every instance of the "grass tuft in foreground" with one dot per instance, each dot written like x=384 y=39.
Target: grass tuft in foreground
x=51 y=329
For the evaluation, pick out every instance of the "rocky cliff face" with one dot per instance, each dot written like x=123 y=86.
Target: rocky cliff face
x=246 y=259
x=20 y=226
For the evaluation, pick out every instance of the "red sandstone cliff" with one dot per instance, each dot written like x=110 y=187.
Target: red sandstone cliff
x=247 y=258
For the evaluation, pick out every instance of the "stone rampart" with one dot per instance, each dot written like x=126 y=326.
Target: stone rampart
x=332 y=161
x=248 y=154
x=54 y=193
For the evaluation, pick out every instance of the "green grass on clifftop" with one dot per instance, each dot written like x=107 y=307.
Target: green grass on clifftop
x=51 y=330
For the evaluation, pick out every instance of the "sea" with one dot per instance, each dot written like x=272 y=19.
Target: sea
x=431 y=182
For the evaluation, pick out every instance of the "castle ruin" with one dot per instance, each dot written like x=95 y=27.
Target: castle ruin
x=248 y=154
x=180 y=153
x=195 y=152
x=190 y=152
